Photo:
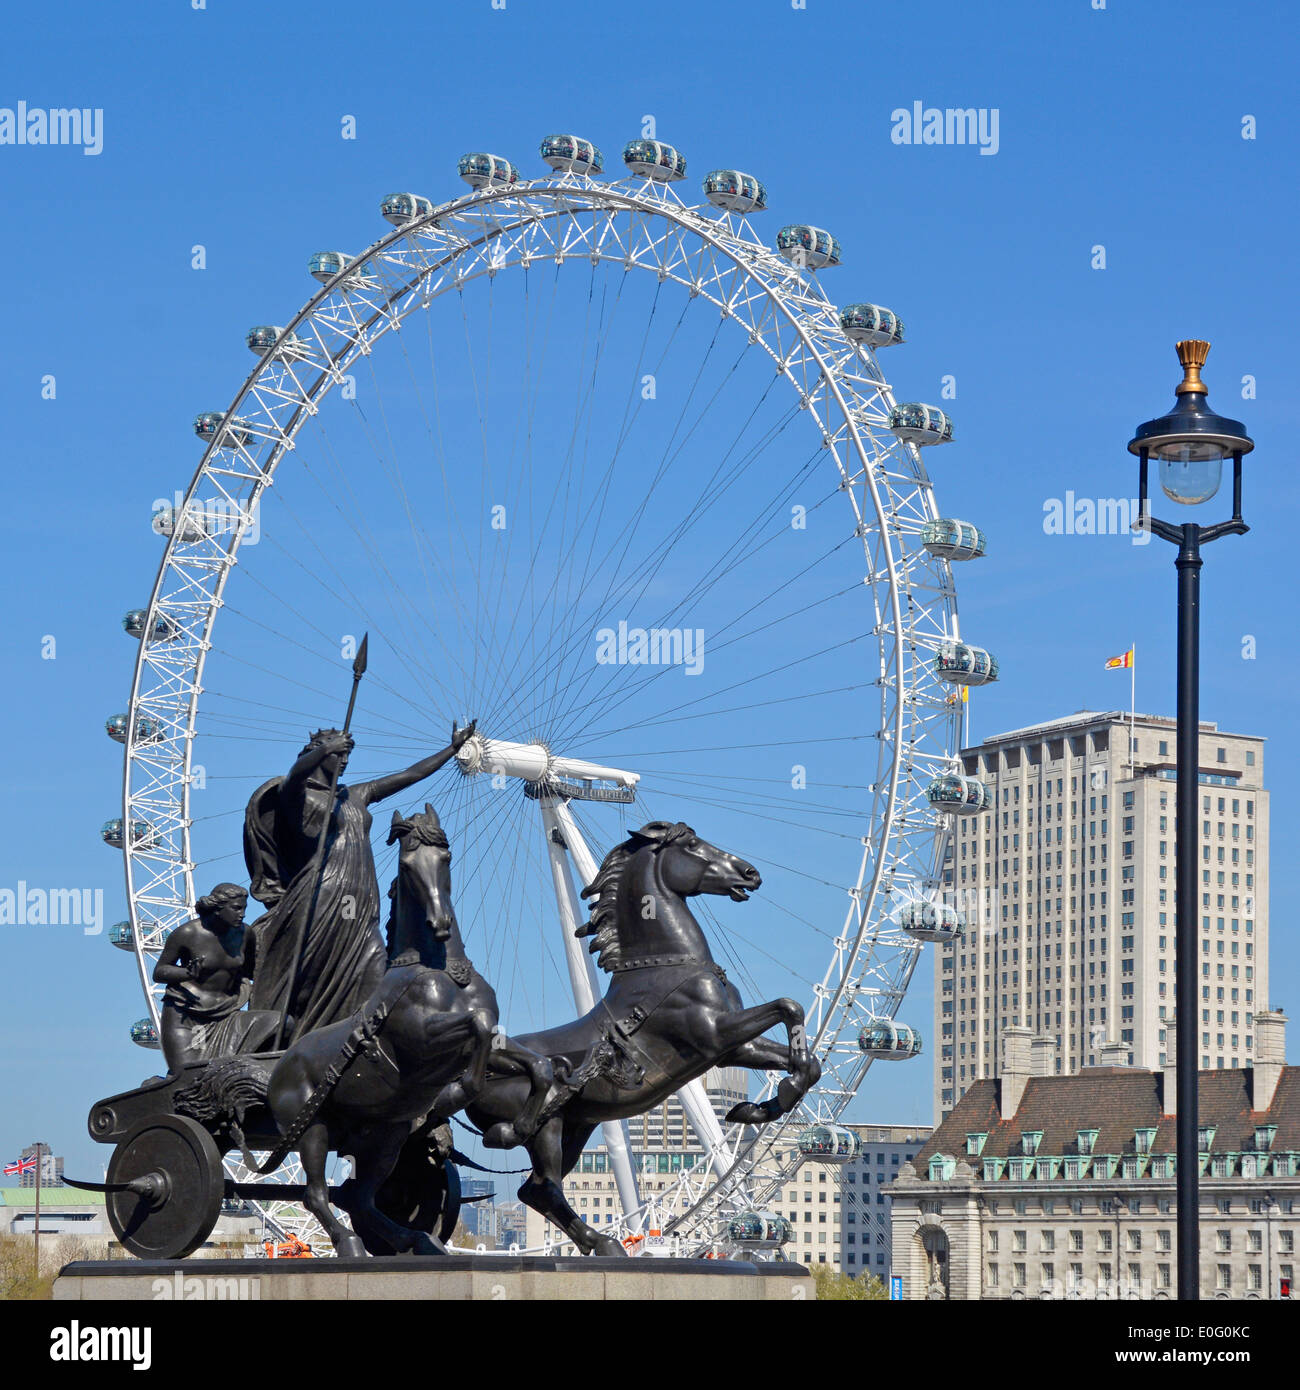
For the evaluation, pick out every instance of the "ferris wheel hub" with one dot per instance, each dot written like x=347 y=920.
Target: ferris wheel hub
x=541 y=770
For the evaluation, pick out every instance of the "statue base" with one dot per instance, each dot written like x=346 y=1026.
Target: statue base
x=450 y=1278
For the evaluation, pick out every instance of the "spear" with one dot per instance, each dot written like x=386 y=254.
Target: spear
x=318 y=860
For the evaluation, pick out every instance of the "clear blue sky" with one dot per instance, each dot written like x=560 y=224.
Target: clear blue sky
x=1119 y=127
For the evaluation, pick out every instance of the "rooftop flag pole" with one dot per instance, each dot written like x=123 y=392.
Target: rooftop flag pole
x=1132 y=709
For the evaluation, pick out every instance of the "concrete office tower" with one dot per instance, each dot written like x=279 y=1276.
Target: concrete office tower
x=1067 y=885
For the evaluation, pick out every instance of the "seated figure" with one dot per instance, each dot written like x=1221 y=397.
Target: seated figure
x=208 y=966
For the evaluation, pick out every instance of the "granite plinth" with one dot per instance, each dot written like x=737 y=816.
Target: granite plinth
x=450 y=1278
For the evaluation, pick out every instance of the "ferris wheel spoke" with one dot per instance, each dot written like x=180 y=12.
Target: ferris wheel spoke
x=582 y=677
x=387 y=587
x=423 y=549
x=601 y=703
x=564 y=639
x=695 y=594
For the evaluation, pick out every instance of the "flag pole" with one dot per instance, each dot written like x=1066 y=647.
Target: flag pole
x=36 y=1235
x=1132 y=707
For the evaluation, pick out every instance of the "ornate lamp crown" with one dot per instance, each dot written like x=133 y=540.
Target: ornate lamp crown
x=1192 y=353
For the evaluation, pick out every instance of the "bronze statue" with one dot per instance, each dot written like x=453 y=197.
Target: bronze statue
x=208 y=965
x=320 y=951
x=384 y=1045
x=670 y=1014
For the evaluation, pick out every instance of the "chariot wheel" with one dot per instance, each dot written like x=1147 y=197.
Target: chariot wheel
x=609 y=471
x=174 y=1168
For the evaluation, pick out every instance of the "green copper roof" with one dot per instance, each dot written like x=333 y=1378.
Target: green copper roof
x=50 y=1197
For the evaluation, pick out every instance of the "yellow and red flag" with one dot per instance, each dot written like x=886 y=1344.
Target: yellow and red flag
x=960 y=696
x=1121 y=663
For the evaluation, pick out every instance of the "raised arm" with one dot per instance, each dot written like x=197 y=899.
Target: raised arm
x=383 y=787
x=295 y=782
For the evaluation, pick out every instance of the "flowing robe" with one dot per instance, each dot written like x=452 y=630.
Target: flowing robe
x=343 y=957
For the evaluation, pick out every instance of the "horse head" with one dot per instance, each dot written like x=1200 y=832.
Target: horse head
x=663 y=863
x=423 y=870
x=688 y=865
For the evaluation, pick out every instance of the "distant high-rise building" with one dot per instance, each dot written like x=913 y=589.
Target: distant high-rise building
x=478 y=1217
x=512 y=1221
x=50 y=1167
x=666 y=1126
x=1067 y=885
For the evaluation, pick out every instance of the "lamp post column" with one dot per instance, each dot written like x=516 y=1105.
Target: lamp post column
x=1190 y=444
x=1186 y=956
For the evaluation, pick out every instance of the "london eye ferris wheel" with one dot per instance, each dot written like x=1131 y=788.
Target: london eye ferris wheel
x=610 y=472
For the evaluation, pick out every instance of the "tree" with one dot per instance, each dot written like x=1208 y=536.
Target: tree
x=832 y=1286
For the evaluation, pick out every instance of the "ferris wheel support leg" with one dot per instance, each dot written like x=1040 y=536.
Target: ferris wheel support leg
x=693 y=1097
x=582 y=978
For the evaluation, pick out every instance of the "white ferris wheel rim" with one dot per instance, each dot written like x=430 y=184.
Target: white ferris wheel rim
x=787 y=315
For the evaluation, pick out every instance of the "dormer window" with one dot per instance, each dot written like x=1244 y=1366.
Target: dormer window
x=941 y=1168
x=975 y=1144
x=1143 y=1139
x=1030 y=1140
x=1087 y=1140
x=1264 y=1136
x=1205 y=1137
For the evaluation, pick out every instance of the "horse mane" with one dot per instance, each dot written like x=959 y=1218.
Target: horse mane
x=603 y=924
x=424 y=829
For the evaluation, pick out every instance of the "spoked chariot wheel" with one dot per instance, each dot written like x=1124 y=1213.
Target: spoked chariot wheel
x=668 y=536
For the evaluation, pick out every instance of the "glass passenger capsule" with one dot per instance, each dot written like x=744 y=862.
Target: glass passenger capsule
x=870 y=324
x=121 y=935
x=920 y=424
x=212 y=425
x=268 y=337
x=829 y=1144
x=960 y=664
x=888 y=1041
x=809 y=248
x=964 y=796
x=953 y=540
x=481 y=170
x=165 y=629
x=652 y=159
x=147 y=730
x=929 y=921
x=145 y=1034
x=759 y=1230
x=571 y=154
x=188 y=526
x=735 y=192
x=401 y=208
x=142 y=836
x=325 y=265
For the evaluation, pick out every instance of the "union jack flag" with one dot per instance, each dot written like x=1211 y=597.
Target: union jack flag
x=21 y=1165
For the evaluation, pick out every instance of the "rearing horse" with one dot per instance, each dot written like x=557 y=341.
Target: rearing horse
x=669 y=1015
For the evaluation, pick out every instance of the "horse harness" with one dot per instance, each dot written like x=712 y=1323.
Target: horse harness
x=364 y=1038
x=619 y=1031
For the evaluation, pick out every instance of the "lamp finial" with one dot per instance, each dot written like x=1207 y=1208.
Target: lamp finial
x=1192 y=353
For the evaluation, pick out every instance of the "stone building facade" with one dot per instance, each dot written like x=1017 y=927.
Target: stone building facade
x=1040 y=1185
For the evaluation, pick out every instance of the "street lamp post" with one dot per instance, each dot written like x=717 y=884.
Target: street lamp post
x=1190 y=444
